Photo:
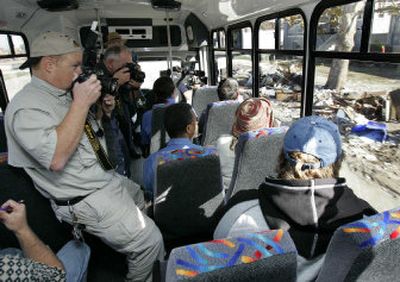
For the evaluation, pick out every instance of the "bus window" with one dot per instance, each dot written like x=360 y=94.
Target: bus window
x=291 y=36
x=385 y=32
x=152 y=69
x=12 y=55
x=280 y=59
x=241 y=54
x=219 y=54
x=355 y=81
x=333 y=23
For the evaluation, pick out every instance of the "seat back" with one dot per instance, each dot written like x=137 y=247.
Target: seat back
x=256 y=156
x=365 y=250
x=219 y=121
x=188 y=194
x=17 y=185
x=159 y=137
x=204 y=96
x=264 y=256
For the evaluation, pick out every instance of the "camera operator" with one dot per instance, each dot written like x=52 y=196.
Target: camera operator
x=118 y=63
x=51 y=134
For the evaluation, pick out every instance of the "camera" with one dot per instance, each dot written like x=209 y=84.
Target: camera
x=109 y=85
x=135 y=72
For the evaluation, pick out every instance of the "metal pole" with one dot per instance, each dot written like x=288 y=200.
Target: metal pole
x=169 y=42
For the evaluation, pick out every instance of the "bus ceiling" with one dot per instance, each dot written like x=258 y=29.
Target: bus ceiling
x=30 y=15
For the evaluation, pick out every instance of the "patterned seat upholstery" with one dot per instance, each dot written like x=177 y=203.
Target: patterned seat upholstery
x=204 y=96
x=187 y=196
x=263 y=256
x=159 y=136
x=219 y=121
x=256 y=156
x=365 y=250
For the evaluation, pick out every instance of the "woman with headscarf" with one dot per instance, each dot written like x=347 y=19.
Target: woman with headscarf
x=252 y=114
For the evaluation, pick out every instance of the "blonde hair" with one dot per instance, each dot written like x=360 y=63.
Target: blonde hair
x=288 y=171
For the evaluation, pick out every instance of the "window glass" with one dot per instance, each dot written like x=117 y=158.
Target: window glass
x=281 y=82
x=222 y=39
x=152 y=70
x=241 y=38
x=215 y=39
x=385 y=27
x=291 y=33
x=220 y=65
x=367 y=95
x=339 y=28
x=266 y=35
x=242 y=69
x=14 y=78
x=19 y=44
x=4 y=46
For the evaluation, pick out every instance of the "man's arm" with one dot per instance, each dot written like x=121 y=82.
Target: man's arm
x=31 y=245
x=69 y=132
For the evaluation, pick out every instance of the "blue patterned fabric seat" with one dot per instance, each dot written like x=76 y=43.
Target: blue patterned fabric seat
x=219 y=120
x=365 y=250
x=256 y=156
x=188 y=194
x=202 y=97
x=263 y=256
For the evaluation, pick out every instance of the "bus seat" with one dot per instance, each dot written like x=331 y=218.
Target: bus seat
x=365 y=250
x=256 y=156
x=202 y=97
x=219 y=120
x=159 y=136
x=17 y=185
x=264 y=256
x=188 y=193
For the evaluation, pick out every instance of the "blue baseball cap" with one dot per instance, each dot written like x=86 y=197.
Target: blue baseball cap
x=316 y=136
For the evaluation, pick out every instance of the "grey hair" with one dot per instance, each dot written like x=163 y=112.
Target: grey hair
x=114 y=52
x=228 y=89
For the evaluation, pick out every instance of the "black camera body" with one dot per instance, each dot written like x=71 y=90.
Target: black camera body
x=135 y=72
x=109 y=85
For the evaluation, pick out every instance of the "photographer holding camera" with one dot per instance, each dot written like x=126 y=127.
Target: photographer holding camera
x=52 y=135
x=117 y=62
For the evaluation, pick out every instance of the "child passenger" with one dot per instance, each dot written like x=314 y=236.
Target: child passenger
x=309 y=199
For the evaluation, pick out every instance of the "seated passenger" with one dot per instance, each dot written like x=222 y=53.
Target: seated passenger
x=163 y=89
x=309 y=199
x=36 y=261
x=228 y=89
x=252 y=114
x=181 y=126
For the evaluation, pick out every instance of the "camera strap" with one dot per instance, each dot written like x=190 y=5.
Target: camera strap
x=97 y=147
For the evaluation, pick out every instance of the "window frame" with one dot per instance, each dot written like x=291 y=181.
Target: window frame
x=362 y=55
x=211 y=40
x=229 y=48
x=257 y=51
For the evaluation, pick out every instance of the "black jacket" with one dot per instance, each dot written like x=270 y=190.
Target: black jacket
x=310 y=210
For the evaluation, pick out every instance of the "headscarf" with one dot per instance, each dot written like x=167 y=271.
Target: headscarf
x=253 y=114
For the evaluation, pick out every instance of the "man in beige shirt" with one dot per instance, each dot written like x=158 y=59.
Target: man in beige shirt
x=45 y=127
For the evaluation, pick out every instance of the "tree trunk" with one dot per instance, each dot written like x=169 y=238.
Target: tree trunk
x=345 y=43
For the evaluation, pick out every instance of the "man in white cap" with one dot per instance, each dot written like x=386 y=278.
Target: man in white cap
x=52 y=135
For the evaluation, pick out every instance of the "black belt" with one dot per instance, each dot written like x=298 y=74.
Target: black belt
x=71 y=202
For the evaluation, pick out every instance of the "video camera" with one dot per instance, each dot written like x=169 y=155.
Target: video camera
x=190 y=76
x=109 y=85
x=135 y=72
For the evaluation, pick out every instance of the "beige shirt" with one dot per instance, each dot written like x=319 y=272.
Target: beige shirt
x=30 y=122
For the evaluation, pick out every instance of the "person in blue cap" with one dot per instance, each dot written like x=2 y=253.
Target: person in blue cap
x=308 y=199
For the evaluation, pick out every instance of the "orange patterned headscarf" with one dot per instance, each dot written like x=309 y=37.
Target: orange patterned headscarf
x=252 y=114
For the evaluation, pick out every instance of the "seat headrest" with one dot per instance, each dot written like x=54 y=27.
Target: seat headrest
x=262 y=132
x=223 y=103
x=184 y=154
x=374 y=230
x=192 y=260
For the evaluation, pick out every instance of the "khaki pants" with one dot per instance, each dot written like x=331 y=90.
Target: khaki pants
x=113 y=215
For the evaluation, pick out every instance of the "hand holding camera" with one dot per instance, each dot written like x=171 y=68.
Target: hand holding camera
x=87 y=92
x=122 y=75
